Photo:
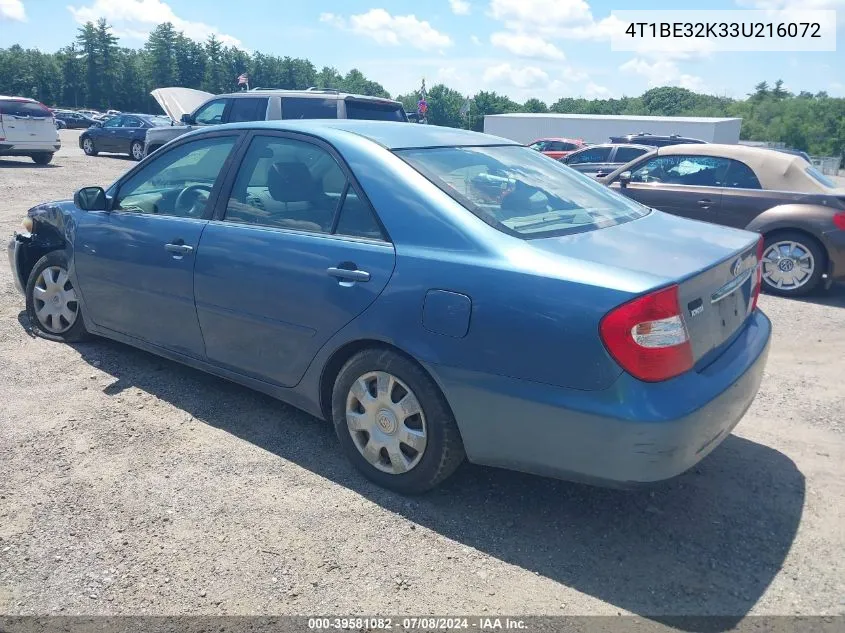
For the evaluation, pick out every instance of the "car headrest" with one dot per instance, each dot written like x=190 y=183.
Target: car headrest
x=290 y=182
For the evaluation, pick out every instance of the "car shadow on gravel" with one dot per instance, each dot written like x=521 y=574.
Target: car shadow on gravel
x=834 y=298
x=707 y=543
x=24 y=163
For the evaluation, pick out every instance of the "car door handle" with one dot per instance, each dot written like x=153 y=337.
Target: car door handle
x=345 y=274
x=179 y=249
x=706 y=203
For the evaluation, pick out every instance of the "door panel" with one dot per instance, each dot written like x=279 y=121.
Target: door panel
x=133 y=285
x=697 y=203
x=135 y=263
x=267 y=302
x=106 y=137
x=274 y=277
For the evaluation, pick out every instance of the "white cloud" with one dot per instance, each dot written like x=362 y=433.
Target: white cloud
x=663 y=73
x=475 y=40
x=12 y=10
x=460 y=7
x=594 y=91
x=519 y=77
x=139 y=17
x=570 y=19
x=524 y=45
x=389 y=30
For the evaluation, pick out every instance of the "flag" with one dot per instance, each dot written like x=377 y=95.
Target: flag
x=465 y=108
x=243 y=80
x=422 y=106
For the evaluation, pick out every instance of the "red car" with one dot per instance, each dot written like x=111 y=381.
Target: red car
x=557 y=148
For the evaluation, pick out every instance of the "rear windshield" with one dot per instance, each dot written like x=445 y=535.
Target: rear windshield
x=159 y=121
x=374 y=110
x=522 y=192
x=11 y=107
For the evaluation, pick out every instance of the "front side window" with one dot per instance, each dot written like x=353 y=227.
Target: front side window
x=309 y=108
x=520 y=192
x=211 y=113
x=696 y=171
x=286 y=183
x=177 y=183
x=248 y=109
x=592 y=155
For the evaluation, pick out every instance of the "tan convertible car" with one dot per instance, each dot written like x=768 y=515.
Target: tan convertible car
x=800 y=211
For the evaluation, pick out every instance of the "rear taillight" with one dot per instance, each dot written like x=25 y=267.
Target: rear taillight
x=758 y=275
x=839 y=221
x=648 y=337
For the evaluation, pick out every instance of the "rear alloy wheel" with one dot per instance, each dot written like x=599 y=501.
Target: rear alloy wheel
x=51 y=300
x=88 y=147
x=792 y=264
x=43 y=159
x=136 y=150
x=393 y=423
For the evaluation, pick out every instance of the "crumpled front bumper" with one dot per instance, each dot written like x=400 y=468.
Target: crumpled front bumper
x=15 y=255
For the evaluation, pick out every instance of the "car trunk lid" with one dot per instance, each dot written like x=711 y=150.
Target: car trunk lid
x=712 y=265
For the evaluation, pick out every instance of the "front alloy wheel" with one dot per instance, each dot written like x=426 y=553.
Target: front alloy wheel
x=88 y=147
x=792 y=264
x=52 y=303
x=137 y=150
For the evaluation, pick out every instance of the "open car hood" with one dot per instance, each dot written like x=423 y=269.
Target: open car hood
x=178 y=101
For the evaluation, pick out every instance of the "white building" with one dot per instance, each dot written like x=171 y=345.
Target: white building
x=598 y=128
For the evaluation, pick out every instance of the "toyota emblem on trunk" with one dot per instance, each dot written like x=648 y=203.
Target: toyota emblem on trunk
x=736 y=268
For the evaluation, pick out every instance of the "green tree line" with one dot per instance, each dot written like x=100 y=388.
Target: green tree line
x=95 y=71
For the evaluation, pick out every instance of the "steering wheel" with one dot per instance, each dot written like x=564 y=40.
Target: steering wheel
x=186 y=205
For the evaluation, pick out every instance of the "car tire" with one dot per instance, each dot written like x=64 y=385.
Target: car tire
x=88 y=146
x=384 y=421
x=49 y=279
x=43 y=159
x=795 y=250
x=136 y=150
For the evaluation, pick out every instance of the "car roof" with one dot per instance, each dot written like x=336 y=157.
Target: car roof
x=314 y=94
x=775 y=170
x=392 y=135
x=648 y=148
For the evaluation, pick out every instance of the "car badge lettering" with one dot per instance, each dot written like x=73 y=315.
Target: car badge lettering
x=695 y=307
x=736 y=268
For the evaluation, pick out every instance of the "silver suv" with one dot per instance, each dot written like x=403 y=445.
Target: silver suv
x=195 y=108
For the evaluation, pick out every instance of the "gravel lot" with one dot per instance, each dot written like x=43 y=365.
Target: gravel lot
x=132 y=485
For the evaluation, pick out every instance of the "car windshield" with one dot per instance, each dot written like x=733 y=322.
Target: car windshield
x=522 y=192
x=819 y=176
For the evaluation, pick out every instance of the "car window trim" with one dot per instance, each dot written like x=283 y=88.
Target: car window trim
x=237 y=157
x=113 y=192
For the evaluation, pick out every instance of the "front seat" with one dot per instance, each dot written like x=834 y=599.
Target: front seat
x=292 y=184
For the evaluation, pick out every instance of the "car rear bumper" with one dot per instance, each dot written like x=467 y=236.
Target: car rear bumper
x=14 y=250
x=631 y=433
x=29 y=148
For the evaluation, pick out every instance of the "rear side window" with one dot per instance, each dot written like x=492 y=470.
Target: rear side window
x=627 y=154
x=254 y=109
x=740 y=176
x=374 y=110
x=309 y=108
x=12 y=107
x=356 y=218
x=592 y=155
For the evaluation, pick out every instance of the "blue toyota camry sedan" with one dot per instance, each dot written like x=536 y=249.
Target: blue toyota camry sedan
x=436 y=294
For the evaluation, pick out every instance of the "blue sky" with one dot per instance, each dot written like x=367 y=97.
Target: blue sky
x=523 y=48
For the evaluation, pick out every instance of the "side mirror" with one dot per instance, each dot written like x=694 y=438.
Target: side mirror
x=187 y=119
x=90 y=199
x=624 y=179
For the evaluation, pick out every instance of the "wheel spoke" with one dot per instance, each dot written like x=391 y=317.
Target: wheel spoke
x=372 y=452
x=413 y=438
x=361 y=393
x=39 y=293
x=68 y=315
x=61 y=280
x=49 y=279
x=398 y=461
x=384 y=386
x=409 y=406
x=70 y=295
x=358 y=421
x=43 y=312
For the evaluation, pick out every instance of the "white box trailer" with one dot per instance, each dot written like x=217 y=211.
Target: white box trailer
x=598 y=128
